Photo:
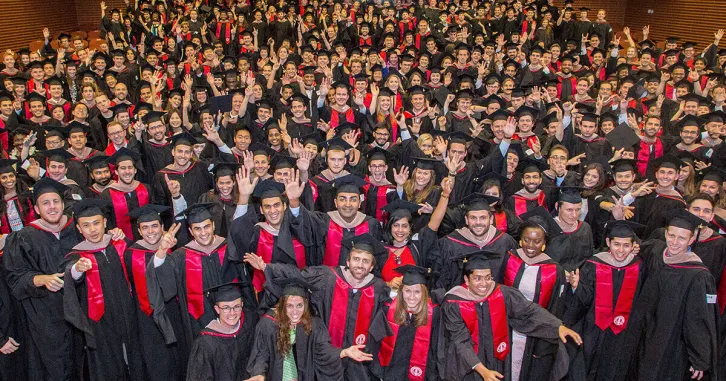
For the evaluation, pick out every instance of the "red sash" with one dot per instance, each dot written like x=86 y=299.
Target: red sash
x=520 y=203
x=381 y=200
x=264 y=249
x=194 y=279
x=339 y=312
x=420 y=349
x=547 y=274
x=314 y=189
x=389 y=272
x=300 y=258
x=644 y=155
x=138 y=269
x=335 y=117
x=335 y=241
x=226 y=31
x=500 y=221
x=121 y=208
x=498 y=317
x=605 y=316
x=96 y=303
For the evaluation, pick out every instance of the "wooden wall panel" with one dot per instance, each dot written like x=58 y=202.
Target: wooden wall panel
x=89 y=12
x=615 y=10
x=22 y=21
x=691 y=20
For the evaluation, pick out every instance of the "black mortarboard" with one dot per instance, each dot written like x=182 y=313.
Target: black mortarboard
x=336 y=144
x=151 y=116
x=96 y=162
x=227 y=292
x=34 y=96
x=478 y=201
x=368 y=243
x=459 y=137
x=517 y=92
x=681 y=218
x=622 y=136
x=608 y=116
x=89 y=207
x=123 y=154
x=524 y=110
x=75 y=126
x=501 y=179
x=294 y=287
x=668 y=161
x=413 y=275
x=401 y=207
x=281 y=161
x=313 y=138
x=6 y=165
x=689 y=44
x=589 y=117
x=624 y=165
x=570 y=194
x=689 y=120
x=500 y=114
x=378 y=153
x=225 y=169
x=584 y=107
x=184 y=138
x=268 y=188
x=148 y=213
x=532 y=165
x=424 y=163
x=478 y=260
x=261 y=149
x=197 y=213
x=120 y=108
x=540 y=216
x=715 y=116
x=348 y=184
x=59 y=155
x=47 y=185
x=622 y=229
x=713 y=173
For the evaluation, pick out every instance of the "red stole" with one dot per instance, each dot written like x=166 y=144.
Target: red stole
x=339 y=312
x=194 y=279
x=547 y=278
x=406 y=258
x=605 y=316
x=644 y=155
x=381 y=200
x=138 y=270
x=265 y=246
x=226 y=31
x=335 y=241
x=520 y=203
x=364 y=41
x=421 y=343
x=121 y=208
x=500 y=221
x=335 y=117
x=96 y=303
x=498 y=318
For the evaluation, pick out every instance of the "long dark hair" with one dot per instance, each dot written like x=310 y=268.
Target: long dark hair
x=284 y=346
x=20 y=187
x=387 y=236
x=601 y=183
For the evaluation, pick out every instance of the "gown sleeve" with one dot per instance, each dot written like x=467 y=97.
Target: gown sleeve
x=162 y=287
x=326 y=358
x=579 y=303
x=530 y=318
x=262 y=349
x=460 y=352
x=200 y=366
x=20 y=269
x=700 y=329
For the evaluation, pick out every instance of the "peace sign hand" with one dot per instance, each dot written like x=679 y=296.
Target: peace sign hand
x=168 y=240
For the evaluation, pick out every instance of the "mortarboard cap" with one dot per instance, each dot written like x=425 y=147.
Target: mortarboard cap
x=96 y=162
x=348 y=184
x=151 y=116
x=413 y=275
x=295 y=287
x=622 y=136
x=540 y=216
x=424 y=163
x=90 y=207
x=570 y=194
x=530 y=165
x=59 y=155
x=184 y=138
x=681 y=218
x=478 y=201
x=268 y=188
x=225 y=169
x=623 y=229
x=148 y=213
x=48 y=185
x=668 y=161
x=123 y=154
x=378 y=153
x=197 y=213
x=400 y=207
x=227 y=292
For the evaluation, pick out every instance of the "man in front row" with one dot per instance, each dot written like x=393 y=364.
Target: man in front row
x=478 y=319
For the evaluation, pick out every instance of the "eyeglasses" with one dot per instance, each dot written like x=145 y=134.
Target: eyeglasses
x=378 y=166
x=228 y=309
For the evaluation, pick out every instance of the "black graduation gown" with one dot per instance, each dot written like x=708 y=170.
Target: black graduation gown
x=400 y=367
x=77 y=170
x=529 y=203
x=677 y=316
x=194 y=182
x=159 y=349
x=318 y=225
x=222 y=212
x=522 y=315
x=539 y=355
x=570 y=250
x=218 y=356
x=652 y=207
x=448 y=268
x=12 y=325
x=129 y=202
x=324 y=279
x=315 y=357
x=215 y=270
x=376 y=198
x=154 y=157
x=50 y=343
x=422 y=220
x=605 y=356
x=112 y=343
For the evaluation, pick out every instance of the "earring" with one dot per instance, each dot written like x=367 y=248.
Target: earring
x=543 y=248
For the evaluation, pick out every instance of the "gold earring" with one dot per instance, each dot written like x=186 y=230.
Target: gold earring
x=543 y=248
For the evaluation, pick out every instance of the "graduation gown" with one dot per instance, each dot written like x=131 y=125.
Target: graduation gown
x=222 y=212
x=332 y=234
x=99 y=304
x=494 y=317
x=218 y=356
x=159 y=348
x=77 y=170
x=448 y=267
x=605 y=354
x=315 y=357
x=193 y=181
x=347 y=313
x=543 y=283
x=416 y=252
x=247 y=235
x=12 y=325
x=570 y=250
x=376 y=198
x=677 y=316
x=406 y=352
x=652 y=207
x=154 y=157
x=124 y=202
x=522 y=202
x=192 y=271
x=50 y=343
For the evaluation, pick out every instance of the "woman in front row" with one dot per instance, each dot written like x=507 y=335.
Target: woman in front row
x=405 y=332
x=292 y=344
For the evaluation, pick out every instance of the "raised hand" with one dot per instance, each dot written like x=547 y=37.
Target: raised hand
x=400 y=177
x=510 y=128
x=294 y=188
x=447 y=186
x=245 y=183
x=440 y=144
x=255 y=261
x=173 y=186
x=304 y=160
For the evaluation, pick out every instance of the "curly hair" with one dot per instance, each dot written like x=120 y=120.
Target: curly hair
x=284 y=346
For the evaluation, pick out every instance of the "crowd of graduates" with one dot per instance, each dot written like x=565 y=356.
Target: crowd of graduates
x=342 y=190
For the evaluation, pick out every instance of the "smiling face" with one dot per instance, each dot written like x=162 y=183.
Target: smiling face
x=666 y=177
x=678 y=240
x=8 y=181
x=360 y=263
x=347 y=204
x=273 y=208
x=591 y=178
x=203 y=232
x=532 y=241
x=294 y=308
x=412 y=296
x=401 y=230
x=710 y=188
x=702 y=209
x=480 y=282
x=478 y=222
x=151 y=231
x=229 y=313
x=50 y=207
x=531 y=181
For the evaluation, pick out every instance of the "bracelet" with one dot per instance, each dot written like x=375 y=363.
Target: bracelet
x=452 y=174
